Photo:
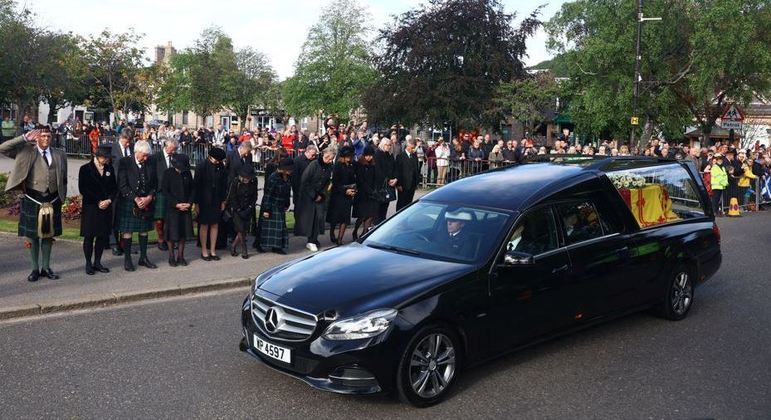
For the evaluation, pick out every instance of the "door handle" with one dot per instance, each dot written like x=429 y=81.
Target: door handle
x=560 y=269
x=623 y=251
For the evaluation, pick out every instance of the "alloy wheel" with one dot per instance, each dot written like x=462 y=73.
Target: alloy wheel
x=682 y=293
x=432 y=365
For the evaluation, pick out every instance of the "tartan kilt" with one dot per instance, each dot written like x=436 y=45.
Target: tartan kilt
x=160 y=206
x=28 y=218
x=127 y=222
x=273 y=231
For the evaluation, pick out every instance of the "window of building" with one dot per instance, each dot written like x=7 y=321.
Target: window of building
x=185 y=118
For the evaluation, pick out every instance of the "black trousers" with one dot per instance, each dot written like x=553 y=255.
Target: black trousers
x=382 y=212
x=717 y=198
x=405 y=198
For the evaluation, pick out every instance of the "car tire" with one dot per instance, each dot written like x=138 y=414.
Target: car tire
x=429 y=366
x=679 y=296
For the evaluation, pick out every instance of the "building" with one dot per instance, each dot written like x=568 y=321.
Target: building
x=163 y=53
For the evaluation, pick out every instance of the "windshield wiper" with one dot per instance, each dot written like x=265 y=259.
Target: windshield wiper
x=394 y=249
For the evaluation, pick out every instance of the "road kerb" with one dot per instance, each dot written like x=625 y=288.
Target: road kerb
x=116 y=299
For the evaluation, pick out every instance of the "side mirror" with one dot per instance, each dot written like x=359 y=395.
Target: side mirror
x=517 y=258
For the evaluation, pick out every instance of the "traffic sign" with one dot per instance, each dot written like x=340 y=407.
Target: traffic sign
x=732 y=118
x=635 y=121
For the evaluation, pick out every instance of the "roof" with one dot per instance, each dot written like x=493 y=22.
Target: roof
x=716 y=133
x=516 y=187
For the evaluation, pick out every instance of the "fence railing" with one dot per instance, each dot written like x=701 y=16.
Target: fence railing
x=748 y=198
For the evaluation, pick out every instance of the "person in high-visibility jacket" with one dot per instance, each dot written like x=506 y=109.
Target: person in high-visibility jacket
x=719 y=183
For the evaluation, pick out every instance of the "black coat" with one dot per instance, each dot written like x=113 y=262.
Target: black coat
x=211 y=183
x=340 y=204
x=95 y=188
x=177 y=188
x=366 y=184
x=117 y=155
x=385 y=169
x=128 y=178
x=407 y=172
x=300 y=164
x=313 y=184
x=160 y=165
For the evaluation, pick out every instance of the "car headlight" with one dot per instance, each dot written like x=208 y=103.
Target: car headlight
x=367 y=325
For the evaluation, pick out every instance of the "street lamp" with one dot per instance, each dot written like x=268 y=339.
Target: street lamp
x=637 y=77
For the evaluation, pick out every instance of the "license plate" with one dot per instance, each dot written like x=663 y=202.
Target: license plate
x=272 y=350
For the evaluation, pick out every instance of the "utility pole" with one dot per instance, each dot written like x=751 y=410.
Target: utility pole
x=635 y=120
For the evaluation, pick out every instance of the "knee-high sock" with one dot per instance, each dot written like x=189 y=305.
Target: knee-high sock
x=101 y=244
x=126 y=242
x=142 y=245
x=45 y=247
x=88 y=248
x=34 y=252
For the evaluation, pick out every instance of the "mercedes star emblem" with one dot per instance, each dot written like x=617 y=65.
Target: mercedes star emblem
x=271 y=320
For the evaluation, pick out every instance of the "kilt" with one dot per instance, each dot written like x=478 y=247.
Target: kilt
x=160 y=206
x=28 y=217
x=273 y=231
x=127 y=222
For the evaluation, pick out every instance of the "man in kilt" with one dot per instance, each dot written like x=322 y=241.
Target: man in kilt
x=41 y=173
x=275 y=203
x=137 y=186
x=162 y=161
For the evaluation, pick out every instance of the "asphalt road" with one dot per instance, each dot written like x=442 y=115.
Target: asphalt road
x=179 y=358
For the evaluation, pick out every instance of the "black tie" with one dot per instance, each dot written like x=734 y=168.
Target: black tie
x=125 y=152
x=45 y=158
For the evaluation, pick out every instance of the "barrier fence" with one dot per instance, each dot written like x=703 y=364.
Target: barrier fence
x=433 y=172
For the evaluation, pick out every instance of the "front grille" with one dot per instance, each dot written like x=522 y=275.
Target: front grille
x=286 y=324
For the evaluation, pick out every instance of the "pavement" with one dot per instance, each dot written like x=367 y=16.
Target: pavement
x=178 y=358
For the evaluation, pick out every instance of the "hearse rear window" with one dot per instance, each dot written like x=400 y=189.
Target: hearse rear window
x=658 y=194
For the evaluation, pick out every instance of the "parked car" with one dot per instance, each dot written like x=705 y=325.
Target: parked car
x=484 y=266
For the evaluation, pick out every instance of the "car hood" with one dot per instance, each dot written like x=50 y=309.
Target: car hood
x=356 y=278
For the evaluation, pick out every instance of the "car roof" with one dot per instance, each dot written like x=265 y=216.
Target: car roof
x=516 y=187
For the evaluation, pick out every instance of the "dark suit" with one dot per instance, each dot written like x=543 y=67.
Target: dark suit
x=128 y=178
x=117 y=154
x=235 y=162
x=462 y=245
x=408 y=178
x=159 y=159
x=300 y=163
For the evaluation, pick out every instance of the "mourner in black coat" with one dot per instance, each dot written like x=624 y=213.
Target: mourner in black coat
x=241 y=203
x=179 y=190
x=162 y=161
x=99 y=188
x=238 y=158
x=366 y=183
x=310 y=206
x=137 y=185
x=385 y=166
x=341 y=198
x=211 y=183
x=407 y=174
x=301 y=162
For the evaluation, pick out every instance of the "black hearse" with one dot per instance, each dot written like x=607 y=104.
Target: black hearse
x=486 y=265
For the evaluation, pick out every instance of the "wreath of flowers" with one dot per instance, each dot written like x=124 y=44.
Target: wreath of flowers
x=627 y=181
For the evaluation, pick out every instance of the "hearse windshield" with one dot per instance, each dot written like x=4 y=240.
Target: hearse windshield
x=444 y=231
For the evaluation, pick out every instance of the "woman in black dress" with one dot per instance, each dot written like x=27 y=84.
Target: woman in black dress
x=211 y=183
x=178 y=189
x=97 y=185
x=366 y=183
x=242 y=199
x=343 y=192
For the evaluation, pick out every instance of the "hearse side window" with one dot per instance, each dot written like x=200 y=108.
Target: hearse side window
x=580 y=222
x=535 y=233
x=658 y=194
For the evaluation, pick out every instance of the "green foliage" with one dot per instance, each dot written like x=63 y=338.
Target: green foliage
x=558 y=66
x=114 y=72
x=252 y=82
x=698 y=57
x=443 y=62
x=529 y=99
x=334 y=67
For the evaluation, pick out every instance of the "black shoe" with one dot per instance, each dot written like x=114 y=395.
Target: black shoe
x=278 y=251
x=181 y=261
x=128 y=265
x=48 y=273
x=233 y=252
x=90 y=270
x=100 y=268
x=163 y=246
x=205 y=257
x=172 y=262
x=117 y=251
x=146 y=263
x=245 y=256
x=214 y=257
x=33 y=276
x=332 y=237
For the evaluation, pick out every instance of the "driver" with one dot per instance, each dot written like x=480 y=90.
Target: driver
x=457 y=241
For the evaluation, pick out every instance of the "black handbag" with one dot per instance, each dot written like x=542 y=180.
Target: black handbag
x=226 y=215
x=383 y=194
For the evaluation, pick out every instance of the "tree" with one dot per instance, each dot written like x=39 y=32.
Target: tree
x=700 y=56
x=334 y=68
x=19 y=85
x=62 y=74
x=444 y=61
x=115 y=63
x=528 y=99
x=251 y=83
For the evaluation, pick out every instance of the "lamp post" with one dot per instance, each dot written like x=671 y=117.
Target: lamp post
x=637 y=78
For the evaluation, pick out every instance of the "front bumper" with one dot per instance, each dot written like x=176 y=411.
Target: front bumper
x=357 y=367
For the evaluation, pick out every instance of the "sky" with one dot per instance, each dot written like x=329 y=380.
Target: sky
x=278 y=28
